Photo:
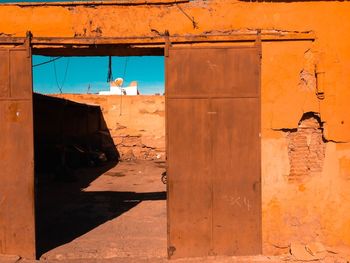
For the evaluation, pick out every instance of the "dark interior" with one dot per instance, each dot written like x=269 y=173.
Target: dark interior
x=72 y=148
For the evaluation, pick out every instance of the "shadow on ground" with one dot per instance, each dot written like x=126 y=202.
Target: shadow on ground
x=65 y=211
x=73 y=147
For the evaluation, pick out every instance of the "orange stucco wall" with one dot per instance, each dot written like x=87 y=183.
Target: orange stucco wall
x=314 y=208
x=135 y=123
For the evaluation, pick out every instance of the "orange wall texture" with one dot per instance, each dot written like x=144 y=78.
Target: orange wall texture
x=298 y=207
x=136 y=123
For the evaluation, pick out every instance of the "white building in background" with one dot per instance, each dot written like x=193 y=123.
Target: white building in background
x=116 y=88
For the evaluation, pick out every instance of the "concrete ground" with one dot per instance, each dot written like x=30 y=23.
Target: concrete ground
x=113 y=214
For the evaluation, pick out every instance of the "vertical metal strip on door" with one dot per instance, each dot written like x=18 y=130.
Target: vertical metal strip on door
x=17 y=219
x=213 y=151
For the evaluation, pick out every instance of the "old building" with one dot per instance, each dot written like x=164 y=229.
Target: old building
x=257 y=162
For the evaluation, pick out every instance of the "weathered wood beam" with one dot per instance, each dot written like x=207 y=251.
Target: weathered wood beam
x=98 y=51
x=102 y=2
x=46 y=42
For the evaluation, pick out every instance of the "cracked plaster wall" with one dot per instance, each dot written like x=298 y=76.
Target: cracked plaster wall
x=314 y=209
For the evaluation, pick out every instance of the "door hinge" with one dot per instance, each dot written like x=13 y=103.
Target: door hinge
x=28 y=43
x=258 y=42
x=167 y=43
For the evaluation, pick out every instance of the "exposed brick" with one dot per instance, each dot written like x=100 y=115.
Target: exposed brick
x=306 y=149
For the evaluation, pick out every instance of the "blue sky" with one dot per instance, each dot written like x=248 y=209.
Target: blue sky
x=148 y=71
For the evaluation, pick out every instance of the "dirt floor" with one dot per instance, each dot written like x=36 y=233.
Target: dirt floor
x=105 y=212
x=112 y=214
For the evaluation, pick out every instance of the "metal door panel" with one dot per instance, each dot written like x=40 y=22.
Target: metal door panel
x=213 y=72
x=235 y=168
x=21 y=73
x=213 y=151
x=17 y=226
x=4 y=73
x=241 y=73
x=189 y=215
x=194 y=71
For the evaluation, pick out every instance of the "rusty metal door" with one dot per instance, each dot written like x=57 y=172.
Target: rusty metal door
x=17 y=226
x=213 y=151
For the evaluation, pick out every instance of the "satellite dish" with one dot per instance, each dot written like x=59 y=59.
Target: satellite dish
x=118 y=82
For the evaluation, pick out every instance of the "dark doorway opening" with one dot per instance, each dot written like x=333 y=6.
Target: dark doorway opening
x=73 y=148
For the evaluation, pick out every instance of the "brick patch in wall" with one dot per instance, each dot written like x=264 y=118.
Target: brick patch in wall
x=306 y=148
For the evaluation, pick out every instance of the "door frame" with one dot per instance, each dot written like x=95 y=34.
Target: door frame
x=117 y=50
